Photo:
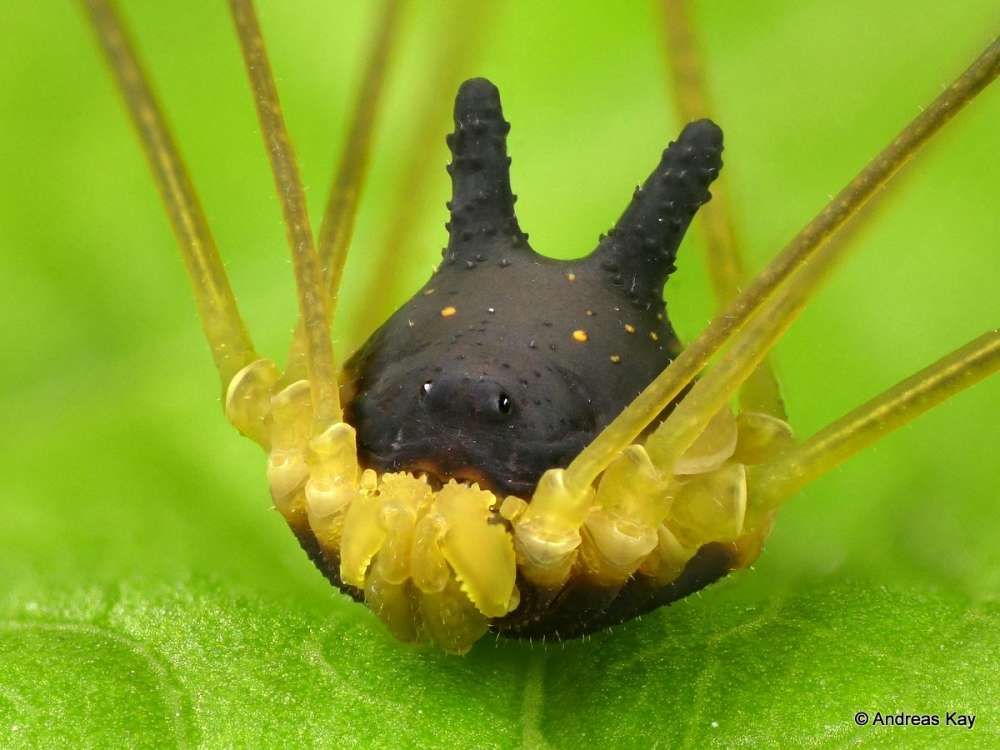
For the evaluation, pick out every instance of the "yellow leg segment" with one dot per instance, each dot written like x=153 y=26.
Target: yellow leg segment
x=778 y=480
x=348 y=181
x=760 y=392
x=308 y=275
x=227 y=335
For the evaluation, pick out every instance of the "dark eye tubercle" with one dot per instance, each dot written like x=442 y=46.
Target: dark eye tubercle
x=454 y=399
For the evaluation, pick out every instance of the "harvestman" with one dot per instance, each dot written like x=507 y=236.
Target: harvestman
x=644 y=514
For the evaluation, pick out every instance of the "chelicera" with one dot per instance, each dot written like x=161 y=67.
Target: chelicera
x=525 y=447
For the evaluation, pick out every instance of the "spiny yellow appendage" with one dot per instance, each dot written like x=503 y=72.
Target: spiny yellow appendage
x=479 y=550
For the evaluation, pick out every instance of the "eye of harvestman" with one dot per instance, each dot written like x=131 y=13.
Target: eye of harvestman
x=425 y=389
x=504 y=403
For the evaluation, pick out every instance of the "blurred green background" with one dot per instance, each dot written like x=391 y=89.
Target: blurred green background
x=148 y=593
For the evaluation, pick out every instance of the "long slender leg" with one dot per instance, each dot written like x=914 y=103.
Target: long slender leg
x=308 y=272
x=463 y=27
x=725 y=257
x=775 y=482
x=807 y=244
x=224 y=328
x=341 y=208
x=690 y=95
x=348 y=181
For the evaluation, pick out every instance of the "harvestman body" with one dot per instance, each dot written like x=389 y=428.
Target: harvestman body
x=535 y=472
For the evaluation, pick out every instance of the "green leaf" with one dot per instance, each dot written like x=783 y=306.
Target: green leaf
x=149 y=596
x=196 y=664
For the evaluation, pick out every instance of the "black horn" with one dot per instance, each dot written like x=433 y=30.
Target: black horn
x=638 y=253
x=482 y=205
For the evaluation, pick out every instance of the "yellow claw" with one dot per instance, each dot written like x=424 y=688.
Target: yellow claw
x=478 y=547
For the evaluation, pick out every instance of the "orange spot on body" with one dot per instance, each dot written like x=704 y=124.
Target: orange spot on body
x=447 y=312
x=615 y=358
x=580 y=335
x=630 y=328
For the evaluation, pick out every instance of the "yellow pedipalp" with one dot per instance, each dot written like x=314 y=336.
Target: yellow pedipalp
x=478 y=548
